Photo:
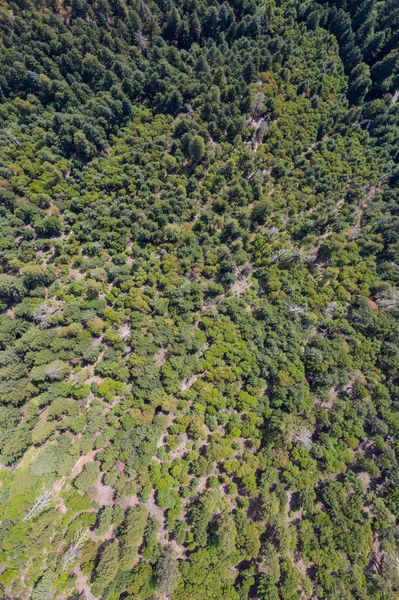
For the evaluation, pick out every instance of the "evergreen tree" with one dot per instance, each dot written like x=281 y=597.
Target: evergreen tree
x=107 y=567
x=166 y=572
x=131 y=536
x=196 y=148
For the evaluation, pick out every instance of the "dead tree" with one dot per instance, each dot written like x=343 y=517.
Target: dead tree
x=40 y=503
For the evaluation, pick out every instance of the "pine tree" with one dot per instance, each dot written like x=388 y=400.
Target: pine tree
x=166 y=572
x=226 y=534
x=196 y=148
x=266 y=589
x=172 y=24
x=88 y=477
x=382 y=70
x=360 y=83
x=132 y=532
x=107 y=567
x=44 y=589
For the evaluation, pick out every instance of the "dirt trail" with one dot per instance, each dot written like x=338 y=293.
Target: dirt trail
x=155 y=511
x=178 y=453
x=160 y=357
x=185 y=385
x=202 y=484
x=82 y=586
x=103 y=494
x=240 y=286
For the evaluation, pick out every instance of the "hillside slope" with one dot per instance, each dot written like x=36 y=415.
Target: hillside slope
x=199 y=293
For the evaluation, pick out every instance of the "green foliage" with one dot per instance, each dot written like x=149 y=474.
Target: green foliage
x=166 y=572
x=131 y=534
x=88 y=476
x=199 y=287
x=107 y=567
x=105 y=520
x=11 y=287
x=44 y=587
x=196 y=148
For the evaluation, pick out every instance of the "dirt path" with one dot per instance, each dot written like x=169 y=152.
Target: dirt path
x=162 y=440
x=155 y=511
x=82 y=586
x=185 y=385
x=178 y=453
x=202 y=484
x=160 y=357
x=103 y=494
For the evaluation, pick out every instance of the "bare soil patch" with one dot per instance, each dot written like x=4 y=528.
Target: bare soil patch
x=160 y=357
x=103 y=494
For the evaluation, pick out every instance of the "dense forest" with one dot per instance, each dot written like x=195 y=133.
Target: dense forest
x=199 y=296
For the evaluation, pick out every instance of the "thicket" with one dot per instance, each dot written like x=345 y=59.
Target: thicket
x=199 y=339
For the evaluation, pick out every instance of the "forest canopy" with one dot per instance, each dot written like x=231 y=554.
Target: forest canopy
x=199 y=299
